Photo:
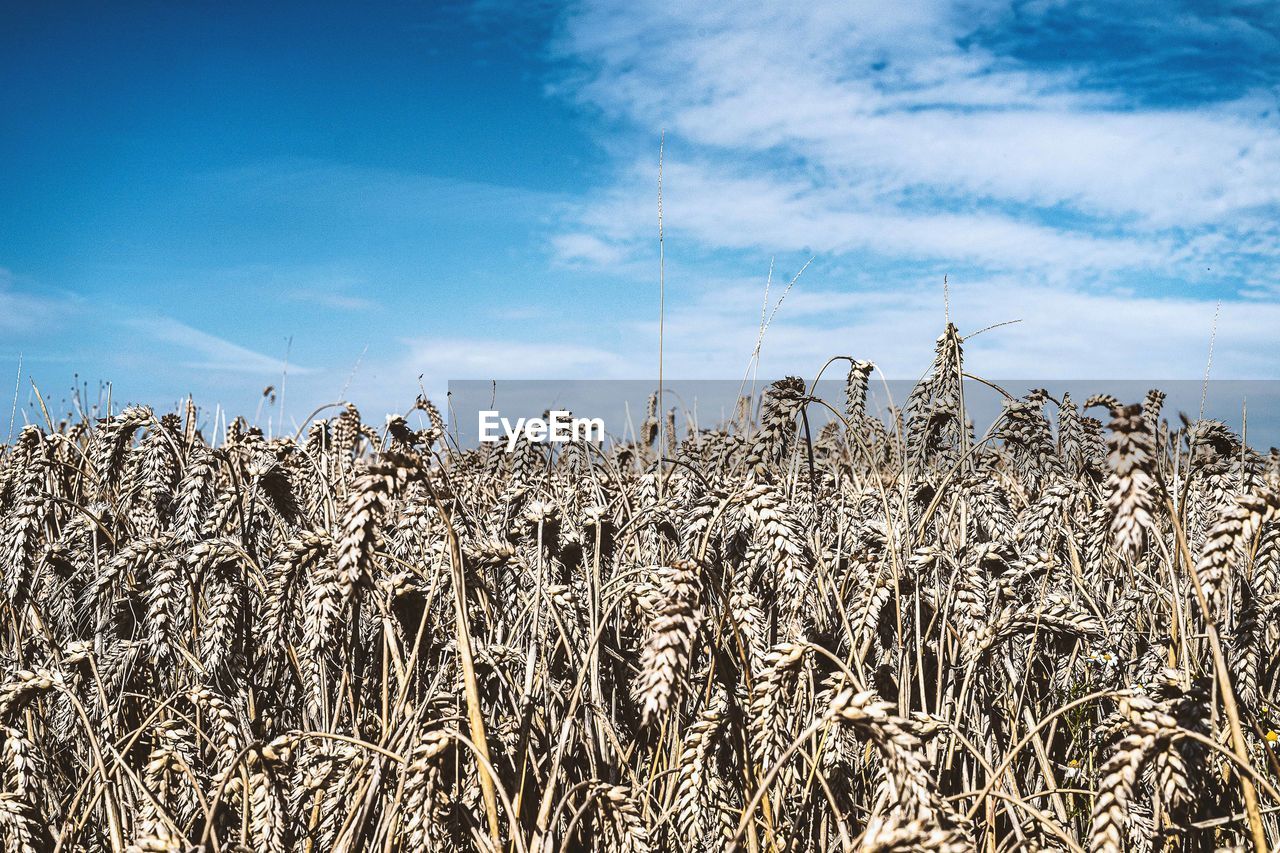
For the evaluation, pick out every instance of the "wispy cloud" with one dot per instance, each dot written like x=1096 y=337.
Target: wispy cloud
x=204 y=351
x=24 y=311
x=923 y=131
x=588 y=249
x=1064 y=332
x=442 y=359
x=438 y=361
x=370 y=194
x=337 y=301
x=335 y=295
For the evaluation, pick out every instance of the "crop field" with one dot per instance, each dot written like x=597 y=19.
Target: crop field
x=884 y=635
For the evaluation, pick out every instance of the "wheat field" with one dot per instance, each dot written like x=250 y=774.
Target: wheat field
x=886 y=635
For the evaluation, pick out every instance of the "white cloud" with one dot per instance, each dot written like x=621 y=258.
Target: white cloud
x=365 y=192
x=332 y=297
x=23 y=312
x=338 y=301
x=876 y=127
x=579 y=248
x=1063 y=333
x=441 y=359
x=720 y=209
x=215 y=353
x=438 y=361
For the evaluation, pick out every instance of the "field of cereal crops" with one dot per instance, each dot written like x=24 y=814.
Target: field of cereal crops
x=883 y=635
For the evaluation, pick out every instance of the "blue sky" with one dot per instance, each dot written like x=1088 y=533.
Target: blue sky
x=463 y=190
